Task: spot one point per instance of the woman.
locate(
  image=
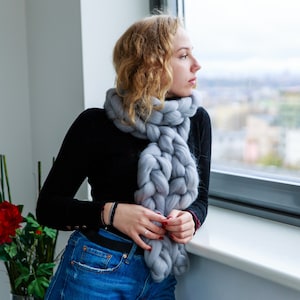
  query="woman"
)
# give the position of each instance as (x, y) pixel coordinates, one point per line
(147, 159)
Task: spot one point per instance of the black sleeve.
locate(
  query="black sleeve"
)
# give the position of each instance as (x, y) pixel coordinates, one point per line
(56, 206)
(200, 146)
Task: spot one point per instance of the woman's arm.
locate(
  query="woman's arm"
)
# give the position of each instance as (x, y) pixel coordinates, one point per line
(56, 206)
(200, 136)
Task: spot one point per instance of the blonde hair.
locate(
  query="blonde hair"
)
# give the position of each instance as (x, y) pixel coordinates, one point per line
(141, 59)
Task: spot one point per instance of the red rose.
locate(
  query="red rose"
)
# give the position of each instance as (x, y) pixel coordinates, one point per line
(10, 219)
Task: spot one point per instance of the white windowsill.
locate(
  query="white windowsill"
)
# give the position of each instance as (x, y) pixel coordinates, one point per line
(259, 246)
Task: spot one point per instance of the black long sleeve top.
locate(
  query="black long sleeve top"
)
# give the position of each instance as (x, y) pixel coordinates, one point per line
(94, 148)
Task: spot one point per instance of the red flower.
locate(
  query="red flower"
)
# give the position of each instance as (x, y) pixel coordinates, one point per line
(10, 219)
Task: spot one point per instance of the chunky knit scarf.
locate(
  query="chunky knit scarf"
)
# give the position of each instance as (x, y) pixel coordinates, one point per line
(167, 174)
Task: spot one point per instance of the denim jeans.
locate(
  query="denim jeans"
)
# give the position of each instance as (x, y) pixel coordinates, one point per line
(89, 271)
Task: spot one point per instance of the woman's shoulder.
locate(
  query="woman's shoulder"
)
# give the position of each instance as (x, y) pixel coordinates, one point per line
(88, 121)
(90, 116)
(201, 115)
(93, 112)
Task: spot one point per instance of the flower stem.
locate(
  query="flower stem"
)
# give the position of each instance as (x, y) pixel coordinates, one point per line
(4, 179)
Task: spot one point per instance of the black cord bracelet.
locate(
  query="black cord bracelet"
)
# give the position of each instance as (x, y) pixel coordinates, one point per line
(112, 214)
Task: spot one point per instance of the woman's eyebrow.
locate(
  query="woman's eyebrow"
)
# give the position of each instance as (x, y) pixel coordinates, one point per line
(184, 48)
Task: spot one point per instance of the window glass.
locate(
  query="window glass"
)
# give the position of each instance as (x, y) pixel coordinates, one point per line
(250, 82)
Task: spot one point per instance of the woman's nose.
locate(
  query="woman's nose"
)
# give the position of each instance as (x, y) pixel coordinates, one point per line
(196, 66)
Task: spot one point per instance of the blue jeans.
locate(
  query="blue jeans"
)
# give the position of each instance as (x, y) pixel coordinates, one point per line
(89, 271)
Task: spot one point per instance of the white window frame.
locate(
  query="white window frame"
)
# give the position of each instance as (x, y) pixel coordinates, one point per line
(174, 7)
(256, 193)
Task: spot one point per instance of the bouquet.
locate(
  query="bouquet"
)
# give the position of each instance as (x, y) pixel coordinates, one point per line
(26, 247)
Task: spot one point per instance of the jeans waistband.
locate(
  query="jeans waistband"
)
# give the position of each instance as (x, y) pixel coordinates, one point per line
(123, 247)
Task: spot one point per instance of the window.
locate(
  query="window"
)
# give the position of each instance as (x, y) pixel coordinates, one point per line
(250, 85)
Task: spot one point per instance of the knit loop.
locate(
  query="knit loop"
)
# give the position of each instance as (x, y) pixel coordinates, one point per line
(167, 175)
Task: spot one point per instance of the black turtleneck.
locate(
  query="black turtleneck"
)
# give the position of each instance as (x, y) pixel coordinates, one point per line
(94, 148)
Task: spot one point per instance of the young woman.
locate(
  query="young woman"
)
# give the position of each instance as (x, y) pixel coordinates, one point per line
(147, 159)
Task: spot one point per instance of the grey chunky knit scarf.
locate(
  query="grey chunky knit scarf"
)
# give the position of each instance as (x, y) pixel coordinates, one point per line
(167, 174)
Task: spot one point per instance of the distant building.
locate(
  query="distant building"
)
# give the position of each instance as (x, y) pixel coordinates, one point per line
(292, 148)
(228, 145)
(262, 138)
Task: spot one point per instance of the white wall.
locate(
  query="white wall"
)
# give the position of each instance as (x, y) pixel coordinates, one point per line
(210, 280)
(15, 130)
(102, 24)
(55, 73)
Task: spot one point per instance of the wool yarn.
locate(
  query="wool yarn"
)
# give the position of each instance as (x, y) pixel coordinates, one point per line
(167, 173)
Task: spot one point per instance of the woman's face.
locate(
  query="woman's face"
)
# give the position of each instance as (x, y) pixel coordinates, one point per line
(184, 66)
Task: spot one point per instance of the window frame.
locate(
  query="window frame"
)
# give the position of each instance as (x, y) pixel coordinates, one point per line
(174, 7)
(248, 191)
(256, 193)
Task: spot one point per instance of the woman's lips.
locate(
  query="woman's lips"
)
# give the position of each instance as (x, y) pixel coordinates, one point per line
(193, 81)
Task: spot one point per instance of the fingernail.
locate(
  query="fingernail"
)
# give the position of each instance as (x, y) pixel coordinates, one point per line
(149, 249)
(161, 238)
(169, 217)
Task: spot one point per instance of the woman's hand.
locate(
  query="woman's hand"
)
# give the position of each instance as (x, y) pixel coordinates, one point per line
(180, 226)
(136, 221)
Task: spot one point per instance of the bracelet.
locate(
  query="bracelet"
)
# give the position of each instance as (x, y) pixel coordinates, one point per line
(112, 213)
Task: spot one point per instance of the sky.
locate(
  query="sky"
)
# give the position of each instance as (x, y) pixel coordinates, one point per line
(245, 36)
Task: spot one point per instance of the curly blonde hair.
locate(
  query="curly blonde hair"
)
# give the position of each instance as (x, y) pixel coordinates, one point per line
(141, 59)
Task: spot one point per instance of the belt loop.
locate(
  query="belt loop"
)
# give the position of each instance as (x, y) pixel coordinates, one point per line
(131, 253)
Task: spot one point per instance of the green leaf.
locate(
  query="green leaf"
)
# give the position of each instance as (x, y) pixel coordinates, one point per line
(24, 276)
(11, 249)
(32, 221)
(3, 254)
(38, 287)
(50, 232)
(45, 269)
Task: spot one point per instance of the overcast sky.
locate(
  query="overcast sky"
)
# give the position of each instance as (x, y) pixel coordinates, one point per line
(245, 35)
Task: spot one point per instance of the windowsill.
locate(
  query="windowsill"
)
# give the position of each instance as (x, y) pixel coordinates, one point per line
(255, 245)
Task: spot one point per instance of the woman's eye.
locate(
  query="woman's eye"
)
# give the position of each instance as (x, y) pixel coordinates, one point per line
(184, 56)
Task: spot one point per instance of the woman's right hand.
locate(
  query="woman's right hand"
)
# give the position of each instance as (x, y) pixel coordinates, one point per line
(135, 221)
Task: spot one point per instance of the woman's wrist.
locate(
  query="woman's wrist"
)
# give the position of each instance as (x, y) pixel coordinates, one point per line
(105, 213)
(108, 213)
(195, 219)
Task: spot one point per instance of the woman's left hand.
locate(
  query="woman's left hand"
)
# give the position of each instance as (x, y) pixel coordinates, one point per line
(180, 226)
